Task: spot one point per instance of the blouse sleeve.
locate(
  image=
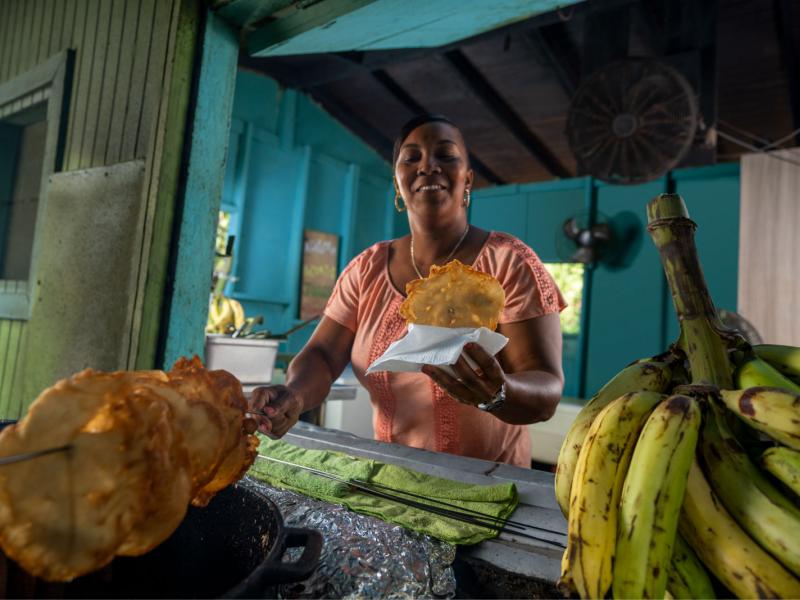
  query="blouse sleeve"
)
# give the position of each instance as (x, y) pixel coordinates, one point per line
(342, 306)
(529, 287)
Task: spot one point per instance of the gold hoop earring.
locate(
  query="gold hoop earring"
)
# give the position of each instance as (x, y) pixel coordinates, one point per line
(467, 197)
(397, 199)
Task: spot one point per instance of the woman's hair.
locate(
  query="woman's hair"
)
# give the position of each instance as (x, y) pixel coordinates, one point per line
(412, 124)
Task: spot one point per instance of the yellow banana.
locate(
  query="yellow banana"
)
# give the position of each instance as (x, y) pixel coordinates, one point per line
(784, 358)
(594, 497)
(759, 373)
(784, 464)
(758, 506)
(732, 555)
(647, 375)
(774, 411)
(687, 577)
(238, 313)
(652, 496)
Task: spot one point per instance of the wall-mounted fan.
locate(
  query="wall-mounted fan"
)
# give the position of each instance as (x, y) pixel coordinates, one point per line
(583, 243)
(632, 121)
(613, 241)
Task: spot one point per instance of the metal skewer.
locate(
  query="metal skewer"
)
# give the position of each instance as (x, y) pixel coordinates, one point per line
(15, 458)
(478, 519)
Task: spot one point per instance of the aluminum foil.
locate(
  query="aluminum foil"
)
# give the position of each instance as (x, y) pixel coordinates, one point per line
(363, 556)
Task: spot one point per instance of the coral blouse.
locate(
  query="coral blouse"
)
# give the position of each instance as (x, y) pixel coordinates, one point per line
(408, 407)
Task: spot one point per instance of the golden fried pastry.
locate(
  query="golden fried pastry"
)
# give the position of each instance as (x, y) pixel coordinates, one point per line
(142, 445)
(64, 514)
(454, 295)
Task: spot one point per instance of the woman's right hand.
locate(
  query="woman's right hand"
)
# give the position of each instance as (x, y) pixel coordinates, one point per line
(280, 407)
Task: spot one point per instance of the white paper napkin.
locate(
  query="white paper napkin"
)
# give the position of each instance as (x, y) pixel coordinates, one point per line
(439, 346)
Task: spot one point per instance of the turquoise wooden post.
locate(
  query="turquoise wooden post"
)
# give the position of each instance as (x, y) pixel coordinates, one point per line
(348, 224)
(207, 146)
(590, 204)
(296, 245)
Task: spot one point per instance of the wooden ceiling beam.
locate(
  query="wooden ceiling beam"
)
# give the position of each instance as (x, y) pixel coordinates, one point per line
(786, 20)
(394, 88)
(552, 43)
(354, 123)
(503, 111)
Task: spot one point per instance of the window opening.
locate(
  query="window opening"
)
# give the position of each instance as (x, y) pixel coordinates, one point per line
(21, 206)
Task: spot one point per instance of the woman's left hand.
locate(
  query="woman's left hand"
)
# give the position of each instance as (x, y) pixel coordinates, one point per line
(470, 386)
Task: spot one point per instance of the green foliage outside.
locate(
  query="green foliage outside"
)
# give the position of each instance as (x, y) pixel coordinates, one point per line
(569, 279)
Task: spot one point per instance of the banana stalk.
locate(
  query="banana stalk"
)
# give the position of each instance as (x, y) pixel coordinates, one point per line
(702, 333)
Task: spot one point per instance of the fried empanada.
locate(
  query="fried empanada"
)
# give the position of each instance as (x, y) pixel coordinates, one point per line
(454, 295)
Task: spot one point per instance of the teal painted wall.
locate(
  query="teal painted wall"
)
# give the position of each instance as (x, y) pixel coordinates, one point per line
(293, 167)
(630, 313)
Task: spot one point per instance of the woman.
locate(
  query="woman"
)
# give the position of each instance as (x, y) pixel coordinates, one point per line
(484, 412)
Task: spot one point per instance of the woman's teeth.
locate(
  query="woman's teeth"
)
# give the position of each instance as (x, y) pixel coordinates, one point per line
(430, 188)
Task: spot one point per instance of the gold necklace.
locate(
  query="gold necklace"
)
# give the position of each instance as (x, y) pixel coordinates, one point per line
(446, 260)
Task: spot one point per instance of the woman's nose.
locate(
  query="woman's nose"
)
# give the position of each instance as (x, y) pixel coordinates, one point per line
(428, 165)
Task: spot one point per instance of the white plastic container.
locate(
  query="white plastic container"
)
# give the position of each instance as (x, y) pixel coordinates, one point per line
(249, 360)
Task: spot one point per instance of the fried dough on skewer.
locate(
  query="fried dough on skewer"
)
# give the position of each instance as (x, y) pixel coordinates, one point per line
(142, 445)
(67, 513)
(454, 295)
(200, 424)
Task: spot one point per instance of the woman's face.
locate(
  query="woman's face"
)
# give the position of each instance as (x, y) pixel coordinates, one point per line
(432, 169)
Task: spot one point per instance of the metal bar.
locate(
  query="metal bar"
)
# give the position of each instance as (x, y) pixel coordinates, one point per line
(492, 523)
(15, 458)
(453, 506)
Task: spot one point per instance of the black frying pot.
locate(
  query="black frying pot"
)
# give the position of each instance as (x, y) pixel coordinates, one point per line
(232, 548)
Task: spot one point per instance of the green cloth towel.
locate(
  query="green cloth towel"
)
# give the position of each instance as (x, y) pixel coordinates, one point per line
(492, 500)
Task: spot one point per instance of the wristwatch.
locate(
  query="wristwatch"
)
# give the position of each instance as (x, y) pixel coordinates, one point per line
(496, 401)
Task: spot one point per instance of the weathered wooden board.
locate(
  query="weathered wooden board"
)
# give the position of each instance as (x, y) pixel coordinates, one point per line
(83, 310)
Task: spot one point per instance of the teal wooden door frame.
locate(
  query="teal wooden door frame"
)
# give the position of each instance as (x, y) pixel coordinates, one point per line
(192, 256)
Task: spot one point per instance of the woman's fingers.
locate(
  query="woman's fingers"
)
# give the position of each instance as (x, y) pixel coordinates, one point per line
(276, 409)
(473, 383)
(487, 363)
(455, 388)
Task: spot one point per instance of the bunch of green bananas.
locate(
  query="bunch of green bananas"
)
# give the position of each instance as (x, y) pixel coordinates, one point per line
(225, 315)
(681, 477)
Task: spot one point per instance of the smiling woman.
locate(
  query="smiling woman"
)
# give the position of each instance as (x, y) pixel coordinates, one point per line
(484, 410)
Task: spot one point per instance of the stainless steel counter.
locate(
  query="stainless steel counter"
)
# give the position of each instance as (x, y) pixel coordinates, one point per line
(513, 554)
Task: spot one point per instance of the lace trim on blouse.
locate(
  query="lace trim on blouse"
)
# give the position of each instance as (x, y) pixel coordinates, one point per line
(391, 326)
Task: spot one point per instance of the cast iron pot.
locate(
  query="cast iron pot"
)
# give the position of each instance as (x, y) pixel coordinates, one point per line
(232, 548)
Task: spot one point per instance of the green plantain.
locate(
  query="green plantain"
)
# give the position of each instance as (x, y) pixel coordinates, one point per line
(757, 505)
(773, 411)
(784, 358)
(649, 375)
(729, 553)
(652, 496)
(784, 464)
(756, 372)
(599, 476)
(687, 577)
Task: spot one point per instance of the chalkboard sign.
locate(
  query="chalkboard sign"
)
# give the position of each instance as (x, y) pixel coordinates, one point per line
(320, 257)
